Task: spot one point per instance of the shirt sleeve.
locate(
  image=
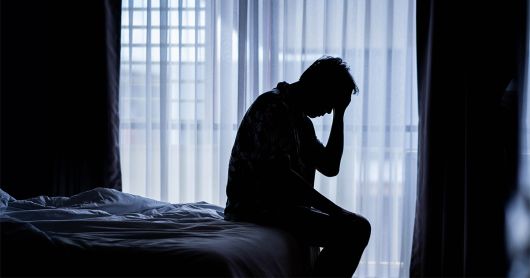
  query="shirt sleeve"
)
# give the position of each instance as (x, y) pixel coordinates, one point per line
(313, 147)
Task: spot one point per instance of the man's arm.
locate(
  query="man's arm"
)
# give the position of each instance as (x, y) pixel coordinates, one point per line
(329, 161)
(298, 190)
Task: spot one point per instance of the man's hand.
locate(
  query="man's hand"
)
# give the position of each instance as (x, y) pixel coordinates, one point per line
(329, 162)
(292, 188)
(341, 104)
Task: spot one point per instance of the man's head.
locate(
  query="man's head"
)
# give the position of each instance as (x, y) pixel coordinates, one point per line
(327, 82)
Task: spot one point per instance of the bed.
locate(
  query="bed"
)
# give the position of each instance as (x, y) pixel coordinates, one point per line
(105, 232)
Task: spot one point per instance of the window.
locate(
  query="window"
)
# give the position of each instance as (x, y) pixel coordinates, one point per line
(190, 70)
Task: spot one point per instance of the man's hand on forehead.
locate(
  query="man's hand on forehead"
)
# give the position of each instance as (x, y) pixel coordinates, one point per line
(341, 102)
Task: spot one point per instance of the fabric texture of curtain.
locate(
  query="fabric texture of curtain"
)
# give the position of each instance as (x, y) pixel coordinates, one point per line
(466, 60)
(60, 85)
(190, 70)
(86, 96)
(518, 209)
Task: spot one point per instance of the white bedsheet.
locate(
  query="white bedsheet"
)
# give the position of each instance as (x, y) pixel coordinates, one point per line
(104, 232)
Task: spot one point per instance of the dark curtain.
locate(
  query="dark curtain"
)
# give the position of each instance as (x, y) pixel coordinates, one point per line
(26, 98)
(88, 46)
(60, 80)
(467, 56)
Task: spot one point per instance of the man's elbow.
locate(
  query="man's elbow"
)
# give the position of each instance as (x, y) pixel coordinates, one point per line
(334, 172)
(329, 171)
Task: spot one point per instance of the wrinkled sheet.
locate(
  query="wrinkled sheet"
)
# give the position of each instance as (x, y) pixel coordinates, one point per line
(104, 232)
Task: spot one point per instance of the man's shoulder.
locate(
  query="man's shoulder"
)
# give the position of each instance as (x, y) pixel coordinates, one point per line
(268, 98)
(267, 102)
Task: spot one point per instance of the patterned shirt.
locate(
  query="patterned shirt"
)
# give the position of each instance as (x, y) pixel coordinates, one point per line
(271, 129)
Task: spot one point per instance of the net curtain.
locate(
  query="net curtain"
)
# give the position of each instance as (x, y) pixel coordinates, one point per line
(191, 68)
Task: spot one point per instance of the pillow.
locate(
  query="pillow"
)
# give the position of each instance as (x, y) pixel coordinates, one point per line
(4, 199)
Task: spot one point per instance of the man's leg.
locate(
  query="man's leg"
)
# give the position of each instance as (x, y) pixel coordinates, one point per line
(342, 253)
(343, 238)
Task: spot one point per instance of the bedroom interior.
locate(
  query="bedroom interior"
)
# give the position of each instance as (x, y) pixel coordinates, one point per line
(61, 131)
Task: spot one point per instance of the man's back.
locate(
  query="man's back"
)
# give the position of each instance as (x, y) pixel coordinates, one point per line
(271, 129)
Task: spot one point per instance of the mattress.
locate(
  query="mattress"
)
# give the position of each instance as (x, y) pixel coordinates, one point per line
(104, 232)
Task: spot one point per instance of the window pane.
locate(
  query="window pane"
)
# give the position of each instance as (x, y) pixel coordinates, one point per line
(124, 35)
(188, 18)
(174, 36)
(188, 54)
(173, 3)
(139, 3)
(202, 18)
(174, 18)
(137, 109)
(188, 36)
(139, 36)
(155, 18)
(125, 17)
(155, 35)
(188, 91)
(138, 53)
(188, 3)
(140, 18)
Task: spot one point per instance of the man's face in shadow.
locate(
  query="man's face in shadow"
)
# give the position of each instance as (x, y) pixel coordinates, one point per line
(318, 106)
(320, 101)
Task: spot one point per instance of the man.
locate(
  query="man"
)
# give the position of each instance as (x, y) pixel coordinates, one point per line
(273, 162)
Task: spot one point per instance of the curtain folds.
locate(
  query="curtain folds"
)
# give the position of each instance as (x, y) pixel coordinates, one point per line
(191, 68)
(466, 60)
(60, 84)
(85, 91)
(518, 209)
(112, 172)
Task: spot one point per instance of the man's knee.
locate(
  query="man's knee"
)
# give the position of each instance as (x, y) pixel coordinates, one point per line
(358, 231)
(365, 230)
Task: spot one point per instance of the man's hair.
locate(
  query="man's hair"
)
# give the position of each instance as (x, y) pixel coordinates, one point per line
(328, 70)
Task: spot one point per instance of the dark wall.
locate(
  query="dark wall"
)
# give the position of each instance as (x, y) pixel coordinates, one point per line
(54, 99)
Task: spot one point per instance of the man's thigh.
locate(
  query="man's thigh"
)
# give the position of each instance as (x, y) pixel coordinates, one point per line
(312, 226)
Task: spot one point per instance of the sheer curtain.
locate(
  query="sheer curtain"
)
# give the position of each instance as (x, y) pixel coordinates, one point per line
(518, 208)
(191, 68)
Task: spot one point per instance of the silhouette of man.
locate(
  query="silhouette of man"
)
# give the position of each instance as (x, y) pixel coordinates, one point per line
(273, 162)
